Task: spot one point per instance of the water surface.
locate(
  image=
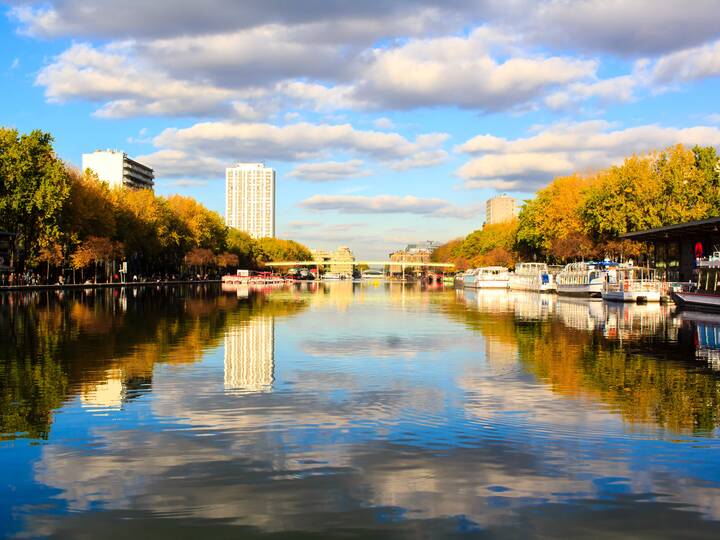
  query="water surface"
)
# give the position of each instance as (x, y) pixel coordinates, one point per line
(355, 410)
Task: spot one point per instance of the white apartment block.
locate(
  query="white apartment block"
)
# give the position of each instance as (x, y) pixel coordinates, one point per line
(501, 209)
(250, 199)
(250, 355)
(118, 170)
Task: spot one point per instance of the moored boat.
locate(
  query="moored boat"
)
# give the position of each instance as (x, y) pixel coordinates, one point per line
(532, 276)
(492, 277)
(632, 284)
(584, 279)
(704, 292)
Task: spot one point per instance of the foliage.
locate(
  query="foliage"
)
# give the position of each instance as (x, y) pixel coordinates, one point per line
(276, 249)
(35, 186)
(63, 215)
(580, 217)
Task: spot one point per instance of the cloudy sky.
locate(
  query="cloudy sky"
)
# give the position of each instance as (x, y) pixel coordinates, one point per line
(388, 122)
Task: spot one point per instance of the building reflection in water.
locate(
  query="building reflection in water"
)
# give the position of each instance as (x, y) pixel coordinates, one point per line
(108, 393)
(250, 355)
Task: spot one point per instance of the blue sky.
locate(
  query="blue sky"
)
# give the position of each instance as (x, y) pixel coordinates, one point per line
(388, 123)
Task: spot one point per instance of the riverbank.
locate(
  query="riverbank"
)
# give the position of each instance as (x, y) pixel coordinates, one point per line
(132, 284)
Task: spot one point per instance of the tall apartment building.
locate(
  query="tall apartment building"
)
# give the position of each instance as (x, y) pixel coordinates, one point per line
(118, 170)
(250, 199)
(501, 209)
(250, 355)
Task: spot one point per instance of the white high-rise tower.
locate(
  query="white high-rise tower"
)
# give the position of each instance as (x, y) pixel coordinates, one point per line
(250, 199)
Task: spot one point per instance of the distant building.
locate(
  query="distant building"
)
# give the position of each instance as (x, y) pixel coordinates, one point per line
(343, 255)
(415, 253)
(118, 170)
(250, 355)
(501, 209)
(250, 199)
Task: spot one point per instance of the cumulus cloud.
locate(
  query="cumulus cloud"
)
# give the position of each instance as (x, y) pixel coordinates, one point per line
(329, 170)
(169, 163)
(383, 123)
(614, 90)
(525, 164)
(294, 142)
(364, 21)
(457, 71)
(636, 28)
(387, 204)
(125, 88)
(686, 65)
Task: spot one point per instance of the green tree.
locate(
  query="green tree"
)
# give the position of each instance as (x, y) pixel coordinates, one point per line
(33, 189)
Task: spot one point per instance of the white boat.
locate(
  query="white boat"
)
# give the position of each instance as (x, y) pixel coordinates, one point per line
(532, 276)
(583, 279)
(704, 292)
(332, 276)
(490, 277)
(469, 278)
(631, 284)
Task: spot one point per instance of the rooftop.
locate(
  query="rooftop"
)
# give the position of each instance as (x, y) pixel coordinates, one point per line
(702, 226)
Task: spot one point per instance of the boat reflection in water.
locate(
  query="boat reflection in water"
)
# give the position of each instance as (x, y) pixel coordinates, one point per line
(705, 330)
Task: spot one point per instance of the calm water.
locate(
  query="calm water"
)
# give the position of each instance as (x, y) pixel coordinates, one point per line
(355, 410)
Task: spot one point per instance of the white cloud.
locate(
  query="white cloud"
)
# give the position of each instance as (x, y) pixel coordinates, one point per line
(329, 171)
(456, 71)
(124, 88)
(294, 142)
(525, 164)
(15, 63)
(638, 27)
(615, 90)
(176, 163)
(387, 204)
(686, 65)
(383, 123)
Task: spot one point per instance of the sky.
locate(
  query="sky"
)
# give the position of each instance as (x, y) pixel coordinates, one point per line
(387, 122)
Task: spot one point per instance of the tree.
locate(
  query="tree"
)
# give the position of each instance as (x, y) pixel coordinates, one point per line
(241, 244)
(227, 260)
(275, 249)
(205, 228)
(553, 214)
(52, 255)
(199, 258)
(34, 188)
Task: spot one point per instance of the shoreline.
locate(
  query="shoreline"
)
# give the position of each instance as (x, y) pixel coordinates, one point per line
(133, 284)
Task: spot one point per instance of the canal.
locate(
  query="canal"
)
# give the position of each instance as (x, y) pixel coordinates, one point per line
(355, 410)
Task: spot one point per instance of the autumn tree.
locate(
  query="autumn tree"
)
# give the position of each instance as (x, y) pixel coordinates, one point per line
(553, 214)
(276, 249)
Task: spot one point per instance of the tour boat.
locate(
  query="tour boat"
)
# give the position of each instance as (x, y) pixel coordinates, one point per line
(332, 276)
(704, 292)
(488, 277)
(583, 279)
(532, 276)
(632, 284)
